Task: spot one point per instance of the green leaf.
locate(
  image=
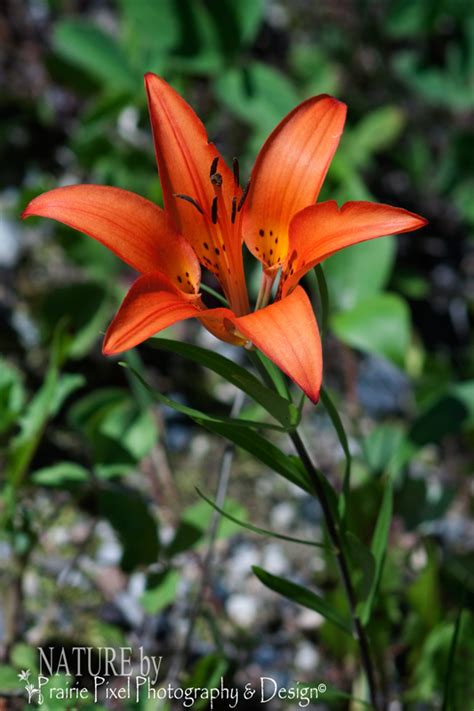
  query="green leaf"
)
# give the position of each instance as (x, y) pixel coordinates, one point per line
(378, 548)
(363, 563)
(278, 406)
(323, 297)
(332, 694)
(381, 446)
(341, 433)
(129, 514)
(375, 132)
(151, 30)
(9, 680)
(44, 405)
(303, 597)
(163, 592)
(119, 430)
(450, 665)
(87, 46)
(264, 451)
(257, 529)
(257, 94)
(272, 375)
(60, 474)
(206, 674)
(86, 304)
(359, 272)
(202, 418)
(379, 325)
(464, 392)
(445, 415)
(23, 656)
(12, 395)
(195, 524)
(241, 433)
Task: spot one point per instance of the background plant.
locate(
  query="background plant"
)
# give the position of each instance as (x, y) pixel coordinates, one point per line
(99, 478)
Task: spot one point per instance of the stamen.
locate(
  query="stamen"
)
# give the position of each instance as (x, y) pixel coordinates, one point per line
(216, 179)
(244, 195)
(191, 200)
(214, 210)
(236, 169)
(214, 166)
(234, 209)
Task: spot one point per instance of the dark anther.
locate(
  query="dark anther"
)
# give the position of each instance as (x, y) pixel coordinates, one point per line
(216, 179)
(214, 211)
(244, 195)
(236, 169)
(234, 209)
(191, 200)
(214, 166)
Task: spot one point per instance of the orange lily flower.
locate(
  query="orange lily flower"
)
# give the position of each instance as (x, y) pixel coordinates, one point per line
(206, 218)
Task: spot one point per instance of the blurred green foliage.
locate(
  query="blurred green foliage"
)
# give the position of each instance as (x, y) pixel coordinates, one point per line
(77, 433)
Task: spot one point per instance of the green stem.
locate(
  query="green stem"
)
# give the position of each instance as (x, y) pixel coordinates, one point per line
(265, 292)
(323, 297)
(215, 294)
(336, 540)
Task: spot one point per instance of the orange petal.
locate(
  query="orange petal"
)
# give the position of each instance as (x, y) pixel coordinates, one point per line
(133, 228)
(320, 230)
(220, 322)
(288, 174)
(288, 334)
(185, 155)
(152, 303)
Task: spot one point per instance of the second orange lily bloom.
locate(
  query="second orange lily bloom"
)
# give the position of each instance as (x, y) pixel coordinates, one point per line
(205, 220)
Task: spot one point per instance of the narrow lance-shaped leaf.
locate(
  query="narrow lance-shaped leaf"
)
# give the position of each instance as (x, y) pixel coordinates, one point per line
(279, 407)
(450, 665)
(44, 405)
(201, 418)
(341, 433)
(257, 529)
(241, 433)
(303, 597)
(378, 548)
(323, 296)
(264, 451)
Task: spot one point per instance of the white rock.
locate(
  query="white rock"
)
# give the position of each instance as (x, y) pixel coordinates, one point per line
(242, 609)
(282, 516)
(274, 560)
(306, 658)
(309, 620)
(240, 565)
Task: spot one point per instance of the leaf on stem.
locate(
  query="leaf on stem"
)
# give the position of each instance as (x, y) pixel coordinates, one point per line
(257, 529)
(341, 433)
(274, 403)
(302, 596)
(378, 548)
